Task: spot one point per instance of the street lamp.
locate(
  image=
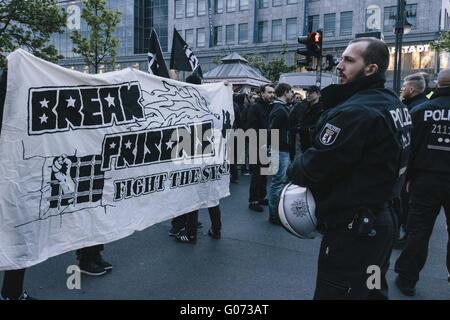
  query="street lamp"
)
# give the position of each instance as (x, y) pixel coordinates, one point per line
(402, 26)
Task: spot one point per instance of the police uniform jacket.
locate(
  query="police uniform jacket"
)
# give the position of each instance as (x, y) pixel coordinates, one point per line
(359, 151)
(430, 151)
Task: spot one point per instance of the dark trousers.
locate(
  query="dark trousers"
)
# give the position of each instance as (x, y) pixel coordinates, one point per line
(345, 257)
(190, 221)
(429, 192)
(13, 284)
(258, 184)
(89, 253)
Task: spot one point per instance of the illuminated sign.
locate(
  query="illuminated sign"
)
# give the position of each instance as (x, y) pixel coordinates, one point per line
(413, 48)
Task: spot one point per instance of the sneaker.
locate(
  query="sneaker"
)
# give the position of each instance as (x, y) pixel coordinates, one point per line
(183, 237)
(274, 220)
(26, 296)
(102, 263)
(175, 231)
(404, 288)
(214, 235)
(255, 206)
(90, 268)
(264, 202)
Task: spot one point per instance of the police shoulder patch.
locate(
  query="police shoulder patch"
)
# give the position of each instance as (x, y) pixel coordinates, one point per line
(329, 134)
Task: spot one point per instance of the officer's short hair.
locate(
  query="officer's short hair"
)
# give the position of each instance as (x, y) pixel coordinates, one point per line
(281, 88)
(377, 52)
(417, 81)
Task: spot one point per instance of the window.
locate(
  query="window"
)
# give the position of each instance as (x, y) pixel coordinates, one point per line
(346, 23)
(276, 30)
(190, 8)
(291, 1)
(263, 31)
(218, 6)
(231, 5)
(313, 23)
(329, 24)
(390, 15)
(189, 37)
(263, 4)
(179, 9)
(243, 33)
(218, 39)
(201, 7)
(411, 14)
(201, 37)
(291, 29)
(243, 5)
(277, 3)
(229, 37)
(389, 18)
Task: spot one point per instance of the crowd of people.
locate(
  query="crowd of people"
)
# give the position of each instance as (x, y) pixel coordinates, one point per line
(377, 165)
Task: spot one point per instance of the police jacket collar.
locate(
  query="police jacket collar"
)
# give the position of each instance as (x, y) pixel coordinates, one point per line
(439, 92)
(337, 93)
(420, 96)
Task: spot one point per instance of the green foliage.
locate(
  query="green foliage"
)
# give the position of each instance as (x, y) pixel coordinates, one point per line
(100, 47)
(443, 42)
(29, 24)
(273, 68)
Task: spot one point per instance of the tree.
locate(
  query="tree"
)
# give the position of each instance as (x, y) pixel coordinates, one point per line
(443, 42)
(29, 25)
(100, 47)
(273, 68)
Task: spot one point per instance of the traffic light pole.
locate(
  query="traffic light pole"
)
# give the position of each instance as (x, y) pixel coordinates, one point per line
(319, 72)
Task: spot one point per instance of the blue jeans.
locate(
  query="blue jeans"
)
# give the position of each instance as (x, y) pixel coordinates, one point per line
(278, 181)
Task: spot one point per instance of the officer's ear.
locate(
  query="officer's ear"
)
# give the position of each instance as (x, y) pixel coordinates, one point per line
(371, 69)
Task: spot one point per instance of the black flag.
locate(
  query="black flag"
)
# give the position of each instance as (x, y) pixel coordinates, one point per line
(182, 57)
(156, 63)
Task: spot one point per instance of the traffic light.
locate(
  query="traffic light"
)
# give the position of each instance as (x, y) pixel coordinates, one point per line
(313, 48)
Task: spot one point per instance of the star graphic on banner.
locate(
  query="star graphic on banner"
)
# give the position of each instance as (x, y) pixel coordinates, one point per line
(170, 144)
(44, 103)
(110, 100)
(128, 145)
(70, 102)
(43, 118)
(112, 145)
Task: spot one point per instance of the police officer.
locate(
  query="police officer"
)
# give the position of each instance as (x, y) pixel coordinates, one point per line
(352, 168)
(428, 180)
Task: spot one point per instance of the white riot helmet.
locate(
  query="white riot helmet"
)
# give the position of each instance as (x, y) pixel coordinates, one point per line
(297, 211)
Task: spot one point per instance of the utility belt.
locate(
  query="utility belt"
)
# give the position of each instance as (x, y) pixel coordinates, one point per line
(360, 222)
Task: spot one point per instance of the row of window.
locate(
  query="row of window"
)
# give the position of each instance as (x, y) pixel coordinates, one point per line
(188, 7)
(329, 21)
(291, 33)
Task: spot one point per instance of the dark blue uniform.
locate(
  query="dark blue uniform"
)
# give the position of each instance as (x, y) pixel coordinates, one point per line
(359, 152)
(429, 175)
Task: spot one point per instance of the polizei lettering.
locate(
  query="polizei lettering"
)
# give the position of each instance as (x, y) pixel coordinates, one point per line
(436, 115)
(59, 109)
(132, 149)
(401, 117)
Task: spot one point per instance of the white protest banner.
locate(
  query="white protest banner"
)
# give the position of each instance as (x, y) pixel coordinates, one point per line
(89, 159)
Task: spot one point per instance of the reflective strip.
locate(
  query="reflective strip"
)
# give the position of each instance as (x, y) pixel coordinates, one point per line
(438, 148)
(401, 171)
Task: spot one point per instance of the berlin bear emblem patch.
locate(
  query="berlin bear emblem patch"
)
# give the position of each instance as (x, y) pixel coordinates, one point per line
(329, 134)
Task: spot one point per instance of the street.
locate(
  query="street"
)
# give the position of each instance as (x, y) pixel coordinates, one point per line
(252, 260)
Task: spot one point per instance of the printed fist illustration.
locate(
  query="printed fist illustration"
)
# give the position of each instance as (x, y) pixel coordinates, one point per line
(61, 168)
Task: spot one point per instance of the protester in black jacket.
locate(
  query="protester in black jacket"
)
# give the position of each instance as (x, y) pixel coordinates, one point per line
(428, 179)
(352, 169)
(258, 119)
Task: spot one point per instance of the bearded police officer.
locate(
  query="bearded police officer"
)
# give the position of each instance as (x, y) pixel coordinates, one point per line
(359, 151)
(428, 180)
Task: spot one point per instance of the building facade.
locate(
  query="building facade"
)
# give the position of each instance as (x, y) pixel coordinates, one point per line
(215, 28)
